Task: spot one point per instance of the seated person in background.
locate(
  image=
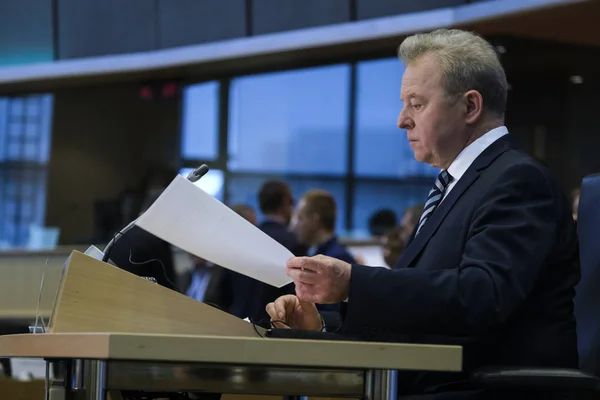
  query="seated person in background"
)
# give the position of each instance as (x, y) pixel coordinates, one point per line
(251, 296)
(392, 245)
(246, 212)
(314, 223)
(382, 221)
(215, 285)
(206, 283)
(410, 219)
(144, 254)
(494, 261)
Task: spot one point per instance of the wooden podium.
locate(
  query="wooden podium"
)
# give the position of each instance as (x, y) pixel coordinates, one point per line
(112, 331)
(94, 296)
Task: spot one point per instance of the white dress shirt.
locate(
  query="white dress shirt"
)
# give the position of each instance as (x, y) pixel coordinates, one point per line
(466, 157)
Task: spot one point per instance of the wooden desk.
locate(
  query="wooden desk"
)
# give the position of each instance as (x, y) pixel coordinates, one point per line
(100, 362)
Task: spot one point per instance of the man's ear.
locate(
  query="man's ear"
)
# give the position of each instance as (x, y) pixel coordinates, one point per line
(474, 106)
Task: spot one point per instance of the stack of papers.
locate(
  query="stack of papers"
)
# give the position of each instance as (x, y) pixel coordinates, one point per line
(191, 219)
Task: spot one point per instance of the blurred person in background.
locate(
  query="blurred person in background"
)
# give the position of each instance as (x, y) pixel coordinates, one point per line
(246, 212)
(382, 221)
(144, 254)
(393, 243)
(314, 223)
(411, 217)
(215, 285)
(277, 206)
(251, 296)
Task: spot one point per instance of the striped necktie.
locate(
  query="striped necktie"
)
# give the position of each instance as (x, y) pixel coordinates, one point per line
(435, 197)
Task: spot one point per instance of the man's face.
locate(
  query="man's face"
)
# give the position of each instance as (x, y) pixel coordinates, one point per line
(305, 223)
(433, 122)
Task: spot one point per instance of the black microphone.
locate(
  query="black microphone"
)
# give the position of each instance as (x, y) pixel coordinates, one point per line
(193, 176)
(198, 173)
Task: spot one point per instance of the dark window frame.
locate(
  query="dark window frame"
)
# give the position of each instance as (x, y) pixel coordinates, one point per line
(351, 179)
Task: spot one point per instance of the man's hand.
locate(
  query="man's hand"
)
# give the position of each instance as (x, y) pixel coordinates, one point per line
(294, 313)
(320, 279)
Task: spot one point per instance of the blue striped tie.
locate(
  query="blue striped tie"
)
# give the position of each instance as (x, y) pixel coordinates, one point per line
(435, 197)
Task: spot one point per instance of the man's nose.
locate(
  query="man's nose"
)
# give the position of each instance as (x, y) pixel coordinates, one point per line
(404, 121)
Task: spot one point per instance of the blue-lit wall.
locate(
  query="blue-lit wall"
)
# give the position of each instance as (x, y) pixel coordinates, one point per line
(42, 30)
(26, 31)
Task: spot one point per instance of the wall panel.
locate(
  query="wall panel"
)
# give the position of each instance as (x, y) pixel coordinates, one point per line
(25, 31)
(94, 28)
(281, 15)
(186, 22)
(380, 8)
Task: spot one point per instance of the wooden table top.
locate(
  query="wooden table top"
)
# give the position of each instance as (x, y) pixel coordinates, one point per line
(234, 350)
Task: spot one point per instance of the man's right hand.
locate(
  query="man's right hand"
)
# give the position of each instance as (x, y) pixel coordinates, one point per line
(294, 313)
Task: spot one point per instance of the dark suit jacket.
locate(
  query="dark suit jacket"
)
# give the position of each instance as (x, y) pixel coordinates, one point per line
(333, 248)
(250, 296)
(493, 269)
(145, 247)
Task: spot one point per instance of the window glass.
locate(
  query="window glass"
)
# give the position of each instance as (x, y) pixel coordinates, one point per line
(25, 132)
(211, 183)
(200, 125)
(290, 122)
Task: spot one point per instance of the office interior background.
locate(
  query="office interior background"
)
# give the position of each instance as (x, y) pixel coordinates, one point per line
(103, 102)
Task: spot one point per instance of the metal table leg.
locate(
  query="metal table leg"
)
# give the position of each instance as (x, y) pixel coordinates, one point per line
(95, 380)
(380, 385)
(55, 387)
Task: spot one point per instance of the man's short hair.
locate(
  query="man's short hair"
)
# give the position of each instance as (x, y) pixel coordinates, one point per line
(468, 62)
(244, 210)
(382, 221)
(273, 195)
(322, 203)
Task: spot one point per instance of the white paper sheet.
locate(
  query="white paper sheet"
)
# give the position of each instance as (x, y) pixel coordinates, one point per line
(191, 219)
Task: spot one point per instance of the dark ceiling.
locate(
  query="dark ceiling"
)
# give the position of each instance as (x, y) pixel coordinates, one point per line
(559, 40)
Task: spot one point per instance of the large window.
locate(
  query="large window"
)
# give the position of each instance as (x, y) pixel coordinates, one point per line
(297, 125)
(211, 183)
(290, 122)
(293, 126)
(200, 125)
(24, 153)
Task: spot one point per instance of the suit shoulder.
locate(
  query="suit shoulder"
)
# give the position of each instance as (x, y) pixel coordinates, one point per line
(517, 165)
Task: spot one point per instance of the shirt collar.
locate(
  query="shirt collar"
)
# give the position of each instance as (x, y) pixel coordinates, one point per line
(466, 157)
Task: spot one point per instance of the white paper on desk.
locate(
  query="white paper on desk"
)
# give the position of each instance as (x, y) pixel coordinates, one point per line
(191, 219)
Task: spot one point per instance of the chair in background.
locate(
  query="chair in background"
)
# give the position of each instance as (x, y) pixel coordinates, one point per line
(582, 383)
(587, 300)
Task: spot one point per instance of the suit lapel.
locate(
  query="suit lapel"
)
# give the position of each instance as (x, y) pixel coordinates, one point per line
(419, 241)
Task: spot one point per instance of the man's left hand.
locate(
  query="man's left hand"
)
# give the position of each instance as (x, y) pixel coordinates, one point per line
(320, 279)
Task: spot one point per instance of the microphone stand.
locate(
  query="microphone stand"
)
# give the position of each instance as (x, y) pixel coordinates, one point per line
(193, 176)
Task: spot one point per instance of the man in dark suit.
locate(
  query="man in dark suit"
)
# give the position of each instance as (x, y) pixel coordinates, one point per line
(251, 296)
(493, 261)
(314, 224)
